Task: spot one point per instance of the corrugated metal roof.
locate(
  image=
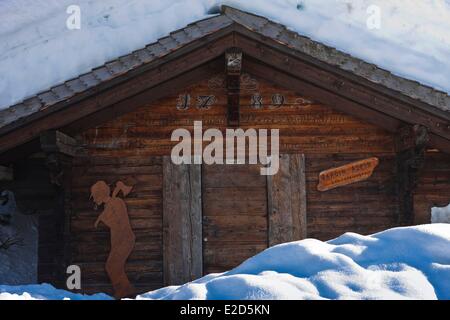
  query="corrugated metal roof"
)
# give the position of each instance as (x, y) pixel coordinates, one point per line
(199, 29)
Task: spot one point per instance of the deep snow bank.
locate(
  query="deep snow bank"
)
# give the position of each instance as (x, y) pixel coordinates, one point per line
(413, 40)
(400, 263)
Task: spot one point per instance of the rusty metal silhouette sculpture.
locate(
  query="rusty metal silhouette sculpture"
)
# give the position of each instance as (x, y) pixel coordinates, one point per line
(115, 217)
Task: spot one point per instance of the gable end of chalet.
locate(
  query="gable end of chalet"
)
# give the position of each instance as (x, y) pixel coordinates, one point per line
(270, 51)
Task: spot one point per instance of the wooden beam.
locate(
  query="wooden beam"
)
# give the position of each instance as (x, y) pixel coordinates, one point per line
(6, 174)
(20, 152)
(286, 193)
(57, 142)
(182, 223)
(59, 150)
(233, 59)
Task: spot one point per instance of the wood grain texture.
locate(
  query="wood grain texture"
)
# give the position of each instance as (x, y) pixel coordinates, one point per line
(144, 203)
(234, 215)
(235, 199)
(364, 207)
(182, 223)
(286, 193)
(433, 186)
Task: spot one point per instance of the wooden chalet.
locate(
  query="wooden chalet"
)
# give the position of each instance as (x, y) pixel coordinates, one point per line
(115, 123)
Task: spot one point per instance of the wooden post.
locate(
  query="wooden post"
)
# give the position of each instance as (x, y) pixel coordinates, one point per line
(411, 143)
(182, 223)
(233, 71)
(287, 200)
(59, 150)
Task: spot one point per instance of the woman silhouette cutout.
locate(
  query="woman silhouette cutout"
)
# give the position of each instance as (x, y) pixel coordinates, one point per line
(115, 217)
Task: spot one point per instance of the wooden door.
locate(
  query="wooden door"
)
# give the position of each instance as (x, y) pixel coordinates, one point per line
(217, 216)
(235, 224)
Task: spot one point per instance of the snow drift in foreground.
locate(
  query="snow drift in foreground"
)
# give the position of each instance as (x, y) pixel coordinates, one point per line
(413, 40)
(400, 263)
(44, 292)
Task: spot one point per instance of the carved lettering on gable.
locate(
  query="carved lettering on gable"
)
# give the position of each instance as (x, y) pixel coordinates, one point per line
(205, 102)
(248, 84)
(184, 101)
(256, 101)
(278, 101)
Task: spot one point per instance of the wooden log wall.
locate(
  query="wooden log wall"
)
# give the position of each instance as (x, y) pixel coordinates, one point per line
(364, 207)
(130, 148)
(433, 188)
(90, 247)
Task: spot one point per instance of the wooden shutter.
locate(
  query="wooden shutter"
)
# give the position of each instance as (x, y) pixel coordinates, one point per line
(287, 200)
(182, 223)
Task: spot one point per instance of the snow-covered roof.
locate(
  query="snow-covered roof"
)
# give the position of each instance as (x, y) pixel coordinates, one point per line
(112, 69)
(86, 83)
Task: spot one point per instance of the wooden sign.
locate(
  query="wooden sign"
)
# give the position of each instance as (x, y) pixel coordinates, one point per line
(348, 174)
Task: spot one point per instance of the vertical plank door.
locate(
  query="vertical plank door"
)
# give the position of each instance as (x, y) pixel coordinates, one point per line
(182, 223)
(286, 194)
(234, 215)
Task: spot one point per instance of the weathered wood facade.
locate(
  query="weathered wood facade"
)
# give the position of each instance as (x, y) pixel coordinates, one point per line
(191, 220)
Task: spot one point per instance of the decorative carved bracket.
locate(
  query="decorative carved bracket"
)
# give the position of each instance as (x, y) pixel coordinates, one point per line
(411, 145)
(233, 58)
(58, 147)
(58, 142)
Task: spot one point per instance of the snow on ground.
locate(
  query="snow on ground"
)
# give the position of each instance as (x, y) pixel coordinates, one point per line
(44, 292)
(400, 263)
(440, 215)
(37, 50)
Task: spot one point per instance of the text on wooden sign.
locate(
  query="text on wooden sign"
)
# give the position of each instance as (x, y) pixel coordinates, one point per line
(345, 175)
